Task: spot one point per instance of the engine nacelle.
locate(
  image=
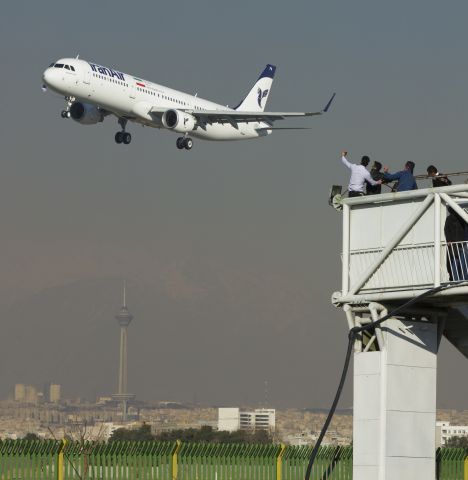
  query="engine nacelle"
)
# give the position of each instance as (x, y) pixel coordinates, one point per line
(179, 121)
(85, 113)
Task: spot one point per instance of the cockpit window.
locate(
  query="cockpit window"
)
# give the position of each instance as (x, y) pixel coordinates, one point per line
(58, 65)
(67, 67)
(72, 68)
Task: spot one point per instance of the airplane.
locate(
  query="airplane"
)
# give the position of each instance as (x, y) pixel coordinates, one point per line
(93, 92)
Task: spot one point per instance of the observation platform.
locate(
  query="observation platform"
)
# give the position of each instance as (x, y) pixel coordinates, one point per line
(395, 248)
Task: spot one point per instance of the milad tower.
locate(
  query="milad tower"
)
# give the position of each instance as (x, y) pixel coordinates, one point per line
(123, 318)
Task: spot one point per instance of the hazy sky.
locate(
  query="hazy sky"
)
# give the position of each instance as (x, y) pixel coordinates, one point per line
(230, 251)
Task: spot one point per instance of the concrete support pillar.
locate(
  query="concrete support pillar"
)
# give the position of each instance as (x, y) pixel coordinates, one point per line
(395, 404)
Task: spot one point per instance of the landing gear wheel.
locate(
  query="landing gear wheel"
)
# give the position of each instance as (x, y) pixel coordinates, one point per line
(127, 138)
(63, 114)
(188, 143)
(119, 137)
(180, 143)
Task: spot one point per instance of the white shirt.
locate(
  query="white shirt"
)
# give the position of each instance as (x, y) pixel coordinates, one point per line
(359, 176)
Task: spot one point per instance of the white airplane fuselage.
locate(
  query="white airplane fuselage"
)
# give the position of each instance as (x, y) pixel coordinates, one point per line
(135, 99)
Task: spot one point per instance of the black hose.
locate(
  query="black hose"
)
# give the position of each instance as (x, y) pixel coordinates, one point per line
(351, 337)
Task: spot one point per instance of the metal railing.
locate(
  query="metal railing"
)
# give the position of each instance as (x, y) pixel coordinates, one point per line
(411, 266)
(457, 261)
(148, 460)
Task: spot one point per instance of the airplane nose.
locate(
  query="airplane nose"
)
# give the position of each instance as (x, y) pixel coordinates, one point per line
(47, 76)
(51, 78)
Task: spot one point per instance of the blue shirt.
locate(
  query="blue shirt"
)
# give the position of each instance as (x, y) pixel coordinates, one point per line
(405, 179)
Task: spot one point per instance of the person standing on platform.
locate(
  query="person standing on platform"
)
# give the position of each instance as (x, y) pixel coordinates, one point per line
(406, 180)
(456, 230)
(376, 174)
(359, 176)
(438, 180)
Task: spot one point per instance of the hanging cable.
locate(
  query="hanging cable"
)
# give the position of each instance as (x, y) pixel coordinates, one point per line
(351, 338)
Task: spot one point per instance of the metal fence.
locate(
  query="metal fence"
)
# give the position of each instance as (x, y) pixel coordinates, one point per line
(457, 261)
(411, 265)
(55, 460)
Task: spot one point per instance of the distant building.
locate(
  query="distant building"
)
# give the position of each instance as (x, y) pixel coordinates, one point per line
(228, 419)
(55, 393)
(232, 419)
(31, 395)
(445, 431)
(20, 392)
(28, 394)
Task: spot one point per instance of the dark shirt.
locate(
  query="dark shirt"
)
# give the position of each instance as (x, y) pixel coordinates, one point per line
(374, 189)
(405, 179)
(440, 181)
(455, 228)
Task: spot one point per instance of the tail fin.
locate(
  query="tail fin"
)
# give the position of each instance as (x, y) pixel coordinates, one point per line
(256, 99)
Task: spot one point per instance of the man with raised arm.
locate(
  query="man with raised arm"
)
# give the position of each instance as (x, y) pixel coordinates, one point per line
(359, 176)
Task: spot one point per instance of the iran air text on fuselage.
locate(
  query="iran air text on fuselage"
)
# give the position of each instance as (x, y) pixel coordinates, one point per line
(93, 92)
(107, 71)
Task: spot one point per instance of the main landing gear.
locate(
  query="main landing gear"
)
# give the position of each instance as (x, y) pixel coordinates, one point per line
(66, 113)
(184, 142)
(123, 136)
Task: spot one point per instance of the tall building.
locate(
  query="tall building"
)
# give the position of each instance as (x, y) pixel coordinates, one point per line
(31, 394)
(27, 394)
(232, 419)
(20, 392)
(123, 318)
(55, 393)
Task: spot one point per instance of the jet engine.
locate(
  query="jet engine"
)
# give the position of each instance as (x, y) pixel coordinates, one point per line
(179, 121)
(85, 113)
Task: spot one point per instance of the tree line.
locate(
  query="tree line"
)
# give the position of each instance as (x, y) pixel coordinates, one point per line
(203, 434)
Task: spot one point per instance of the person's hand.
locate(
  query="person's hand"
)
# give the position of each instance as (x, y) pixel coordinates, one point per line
(344, 153)
(379, 182)
(385, 169)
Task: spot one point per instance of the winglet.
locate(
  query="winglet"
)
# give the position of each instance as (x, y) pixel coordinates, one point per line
(327, 106)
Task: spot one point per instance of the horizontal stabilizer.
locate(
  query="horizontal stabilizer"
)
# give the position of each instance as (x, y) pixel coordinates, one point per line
(282, 128)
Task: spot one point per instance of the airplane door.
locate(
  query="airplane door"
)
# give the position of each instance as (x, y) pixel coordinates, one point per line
(87, 82)
(87, 77)
(132, 91)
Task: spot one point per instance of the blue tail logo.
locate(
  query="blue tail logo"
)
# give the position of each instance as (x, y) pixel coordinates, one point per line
(261, 96)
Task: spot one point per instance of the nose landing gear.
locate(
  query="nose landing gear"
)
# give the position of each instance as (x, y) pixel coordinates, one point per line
(123, 136)
(66, 113)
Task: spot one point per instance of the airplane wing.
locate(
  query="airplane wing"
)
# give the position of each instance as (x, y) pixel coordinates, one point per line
(235, 117)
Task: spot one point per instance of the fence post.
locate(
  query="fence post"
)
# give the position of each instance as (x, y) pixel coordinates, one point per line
(279, 462)
(175, 459)
(465, 473)
(60, 462)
